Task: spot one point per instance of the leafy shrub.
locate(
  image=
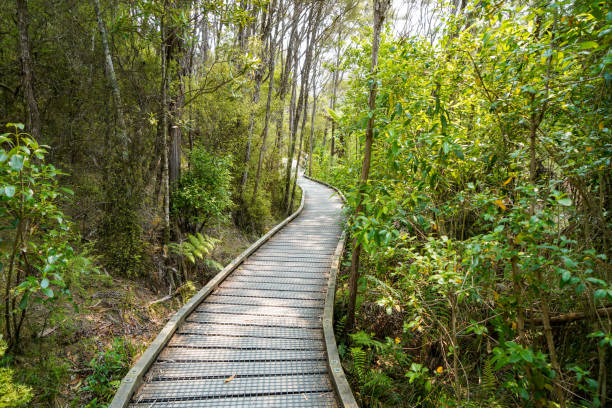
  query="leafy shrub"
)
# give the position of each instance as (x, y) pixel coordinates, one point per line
(254, 215)
(36, 234)
(203, 192)
(109, 367)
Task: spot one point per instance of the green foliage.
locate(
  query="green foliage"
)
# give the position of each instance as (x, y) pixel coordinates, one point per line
(47, 375)
(121, 241)
(12, 395)
(203, 192)
(196, 246)
(37, 261)
(254, 215)
(109, 367)
(489, 380)
(534, 371)
(488, 201)
(359, 362)
(363, 339)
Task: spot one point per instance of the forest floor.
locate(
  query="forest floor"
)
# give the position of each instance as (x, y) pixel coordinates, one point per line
(79, 358)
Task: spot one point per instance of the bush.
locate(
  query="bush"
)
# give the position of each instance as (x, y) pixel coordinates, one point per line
(203, 192)
(37, 263)
(109, 367)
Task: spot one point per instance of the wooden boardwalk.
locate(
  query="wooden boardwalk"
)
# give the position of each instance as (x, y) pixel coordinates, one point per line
(257, 339)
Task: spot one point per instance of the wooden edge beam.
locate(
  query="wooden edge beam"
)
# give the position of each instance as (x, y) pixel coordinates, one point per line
(341, 384)
(134, 378)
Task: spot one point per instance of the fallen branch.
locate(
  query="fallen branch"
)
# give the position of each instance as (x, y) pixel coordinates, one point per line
(569, 317)
(160, 300)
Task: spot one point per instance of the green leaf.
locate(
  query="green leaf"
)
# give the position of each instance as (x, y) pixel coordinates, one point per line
(17, 125)
(600, 294)
(566, 275)
(16, 162)
(596, 281)
(566, 202)
(588, 44)
(23, 303)
(9, 191)
(48, 292)
(44, 283)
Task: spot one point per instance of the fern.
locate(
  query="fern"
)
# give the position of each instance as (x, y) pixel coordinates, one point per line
(488, 378)
(196, 246)
(340, 324)
(359, 362)
(379, 386)
(363, 339)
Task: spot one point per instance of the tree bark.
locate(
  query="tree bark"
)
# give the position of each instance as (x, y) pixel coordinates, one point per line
(259, 74)
(33, 116)
(312, 121)
(264, 136)
(164, 116)
(300, 104)
(332, 102)
(380, 9)
(112, 80)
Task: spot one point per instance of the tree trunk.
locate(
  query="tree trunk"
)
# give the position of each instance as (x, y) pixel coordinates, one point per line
(300, 104)
(112, 79)
(176, 102)
(332, 102)
(285, 72)
(380, 8)
(264, 136)
(313, 25)
(164, 110)
(299, 153)
(312, 116)
(259, 73)
(33, 116)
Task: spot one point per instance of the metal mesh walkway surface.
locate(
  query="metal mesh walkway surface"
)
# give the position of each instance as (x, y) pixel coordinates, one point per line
(257, 340)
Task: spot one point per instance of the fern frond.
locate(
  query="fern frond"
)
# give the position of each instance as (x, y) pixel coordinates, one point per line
(361, 338)
(359, 362)
(488, 378)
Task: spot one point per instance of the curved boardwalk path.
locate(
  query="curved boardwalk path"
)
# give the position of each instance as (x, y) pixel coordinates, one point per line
(257, 340)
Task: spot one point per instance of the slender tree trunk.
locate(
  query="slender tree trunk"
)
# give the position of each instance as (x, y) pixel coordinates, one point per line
(165, 179)
(311, 43)
(264, 136)
(299, 153)
(285, 72)
(259, 73)
(292, 136)
(301, 100)
(332, 101)
(312, 116)
(112, 79)
(204, 33)
(175, 49)
(380, 9)
(33, 115)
